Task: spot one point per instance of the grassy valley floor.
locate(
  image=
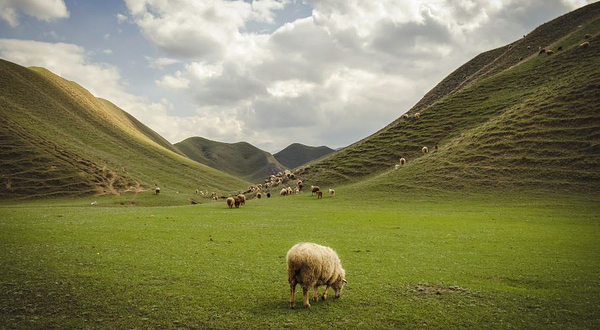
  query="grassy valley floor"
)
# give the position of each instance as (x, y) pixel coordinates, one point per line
(428, 261)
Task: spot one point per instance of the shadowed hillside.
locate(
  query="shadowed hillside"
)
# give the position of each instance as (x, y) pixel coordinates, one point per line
(239, 159)
(297, 154)
(498, 121)
(57, 139)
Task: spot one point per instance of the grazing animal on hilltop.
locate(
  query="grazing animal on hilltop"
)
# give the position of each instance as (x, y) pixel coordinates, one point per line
(405, 116)
(402, 161)
(319, 194)
(268, 195)
(584, 45)
(230, 202)
(331, 192)
(259, 195)
(417, 115)
(312, 265)
(157, 191)
(425, 150)
(587, 36)
(242, 199)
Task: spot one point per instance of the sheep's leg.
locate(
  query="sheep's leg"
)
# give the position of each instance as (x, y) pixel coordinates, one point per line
(316, 293)
(305, 296)
(292, 291)
(325, 293)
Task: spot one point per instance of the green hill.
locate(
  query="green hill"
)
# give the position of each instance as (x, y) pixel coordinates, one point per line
(499, 121)
(239, 159)
(57, 139)
(297, 154)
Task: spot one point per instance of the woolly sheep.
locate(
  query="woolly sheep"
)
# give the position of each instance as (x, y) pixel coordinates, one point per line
(331, 192)
(259, 195)
(314, 189)
(312, 265)
(587, 36)
(435, 147)
(94, 203)
(297, 190)
(237, 201)
(425, 150)
(242, 199)
(157, 191)
(396, 167)
(268, 195)
(549, 52)
(230, 202)
(319, 194)
(405, 116)
(559, 48)
(417, 115)
(584, 45)
(542, 51)
(283, 192)
(402, 161)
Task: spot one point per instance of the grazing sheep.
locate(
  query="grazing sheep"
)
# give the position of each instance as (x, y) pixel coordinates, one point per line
(402, 161)
(417, 115)
(94, 203)
(528, 47)
(405, 116)
(242, 199)
(237, 201)
(396, 167)
(157, 191)
(425, 150)
(587, 36)
(230, 202)
(559, 48)
(259, 195)
(297, 190)
(314, 189)
(331, 192)
(312, 265)
(268, 195)
(520, 59)
(319, 194)
(196, 191)
(549, 52)
(283, 192)
(542, 51)
(289, 190)
(584, 45)
(435, 147)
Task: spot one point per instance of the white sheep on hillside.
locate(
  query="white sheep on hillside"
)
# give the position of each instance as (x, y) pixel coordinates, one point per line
(425, 150)
(417, 115)
(396, 167)
(402, 161)
(312, 265)
(331, 192)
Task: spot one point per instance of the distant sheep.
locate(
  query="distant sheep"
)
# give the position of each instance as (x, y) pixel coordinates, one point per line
(542, 51)
(283, 192)
(319, 194)
(417, 115)
(528, 47)
(402, 161)
(237, 201)
(520, 59)
(559, 48)
(312, 265)
(314, 189)
(268, 195)
(549, 52)
(584, 45)
(157, 191)
(259, 195)
(230, 202)
(425, 150)
(242, 199)
(331, 192)
(297, 190)
(405, 116)
(587, 36)
(435, 147)
(94, 203)
(396, 167)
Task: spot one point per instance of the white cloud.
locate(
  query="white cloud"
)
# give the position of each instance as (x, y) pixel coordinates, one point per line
(45, 10)
(107, 51)
(173, 81)
(160, 62)
(122, 18)
(106, 36)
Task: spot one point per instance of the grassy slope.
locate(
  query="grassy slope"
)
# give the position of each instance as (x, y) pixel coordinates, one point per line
(297, 154)
(58, 139)
(239, 159)
(439, 262)
(535, 124)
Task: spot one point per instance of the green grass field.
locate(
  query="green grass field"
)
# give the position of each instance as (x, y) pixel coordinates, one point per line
(442, 261)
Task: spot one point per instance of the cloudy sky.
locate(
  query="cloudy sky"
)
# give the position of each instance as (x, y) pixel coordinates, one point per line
(269, 72)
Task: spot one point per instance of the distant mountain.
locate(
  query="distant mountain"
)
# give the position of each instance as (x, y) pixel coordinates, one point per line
(239, 159)
(57, 139)
(510, 117)
(297, 154)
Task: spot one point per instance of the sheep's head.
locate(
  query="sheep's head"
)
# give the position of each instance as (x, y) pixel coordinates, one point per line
(339, 283)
